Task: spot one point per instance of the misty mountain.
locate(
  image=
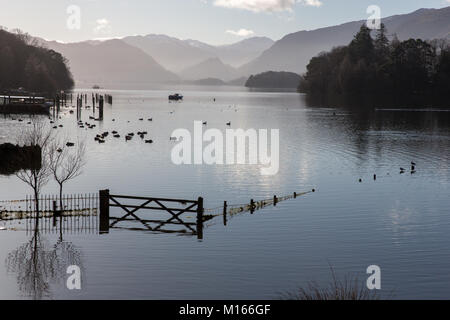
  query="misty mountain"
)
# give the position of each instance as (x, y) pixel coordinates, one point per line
(294, 51)
(210, 68)
(111, 62)
(176, 55)
(244, 51)
(172, 53)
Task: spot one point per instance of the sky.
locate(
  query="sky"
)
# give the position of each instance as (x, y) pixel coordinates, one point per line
(211, 21)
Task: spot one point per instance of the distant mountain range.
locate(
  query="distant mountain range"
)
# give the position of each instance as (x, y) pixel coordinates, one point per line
(176, 55)
(160, 58)
(210, 68)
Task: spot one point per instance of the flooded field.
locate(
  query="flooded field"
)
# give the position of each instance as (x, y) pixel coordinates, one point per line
(399, 221)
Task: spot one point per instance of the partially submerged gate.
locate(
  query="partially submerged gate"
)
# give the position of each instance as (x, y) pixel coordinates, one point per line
(131, 205)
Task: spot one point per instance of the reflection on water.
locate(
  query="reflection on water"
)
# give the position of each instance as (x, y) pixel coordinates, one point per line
(398, 221)
(37, 264)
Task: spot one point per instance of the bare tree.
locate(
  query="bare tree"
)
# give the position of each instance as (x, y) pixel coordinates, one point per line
(26, 37)
(66, 163)
(37, 134)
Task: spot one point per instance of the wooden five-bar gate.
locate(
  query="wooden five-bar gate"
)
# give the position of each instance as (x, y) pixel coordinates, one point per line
(176, 208)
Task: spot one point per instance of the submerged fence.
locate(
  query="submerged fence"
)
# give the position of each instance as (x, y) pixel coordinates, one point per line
(230, 210)
(17, 209)
(90, 213)
(68, 214)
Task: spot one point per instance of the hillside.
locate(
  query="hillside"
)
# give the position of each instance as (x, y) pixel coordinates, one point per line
(294, 51)
(36, 69)
(110, 63)
(274, 80)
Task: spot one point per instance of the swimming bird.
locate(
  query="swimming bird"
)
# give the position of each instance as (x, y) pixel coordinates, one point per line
(205, 123)
(229, 124)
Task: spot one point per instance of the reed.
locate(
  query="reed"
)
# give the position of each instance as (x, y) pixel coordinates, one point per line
(348, 288)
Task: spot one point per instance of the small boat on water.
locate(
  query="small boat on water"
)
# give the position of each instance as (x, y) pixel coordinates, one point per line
(175, 97)
(24, 105)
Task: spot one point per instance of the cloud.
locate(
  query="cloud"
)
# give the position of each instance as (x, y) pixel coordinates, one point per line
(241, 32)
(265, 5)
(103, 26)
(314, 3)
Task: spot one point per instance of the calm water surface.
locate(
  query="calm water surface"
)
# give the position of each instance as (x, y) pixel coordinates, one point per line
(400, 222)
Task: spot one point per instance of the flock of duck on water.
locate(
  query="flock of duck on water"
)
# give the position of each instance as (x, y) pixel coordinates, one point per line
(402, 170)
(101, 137)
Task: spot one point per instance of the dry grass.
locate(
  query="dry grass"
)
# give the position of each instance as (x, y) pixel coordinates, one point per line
(349, 288)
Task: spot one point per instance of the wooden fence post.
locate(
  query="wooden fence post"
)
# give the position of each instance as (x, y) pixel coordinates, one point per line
(225, 213)
(200, 219)
(104, 211)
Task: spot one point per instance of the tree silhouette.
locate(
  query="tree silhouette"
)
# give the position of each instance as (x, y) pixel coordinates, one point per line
(383, 72)
(24, 63)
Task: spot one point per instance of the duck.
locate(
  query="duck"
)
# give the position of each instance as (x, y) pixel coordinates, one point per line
(205, 123)
(70, 144)
(228, 123)
(148, 141)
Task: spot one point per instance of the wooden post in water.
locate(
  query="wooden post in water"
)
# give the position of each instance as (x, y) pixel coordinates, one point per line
(225, 213)
(200, 218)
(54, 214)
(101, 103)
(275, 200)
(58, 105)
(104, 211)
(252, 206)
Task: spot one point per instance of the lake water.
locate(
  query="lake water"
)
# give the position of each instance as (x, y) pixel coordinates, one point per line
(399, 222)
